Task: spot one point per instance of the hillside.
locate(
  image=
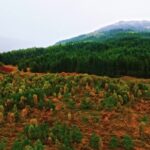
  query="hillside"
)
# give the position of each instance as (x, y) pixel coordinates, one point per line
(73, 112)
(124, 54)
(111, 31)
(63, 97)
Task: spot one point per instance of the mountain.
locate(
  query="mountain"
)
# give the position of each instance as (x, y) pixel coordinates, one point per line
(121, 28)
(121, 56)
(122, 49)
(137, 26)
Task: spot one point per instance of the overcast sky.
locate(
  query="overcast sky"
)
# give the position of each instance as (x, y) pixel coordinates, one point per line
(28, 23)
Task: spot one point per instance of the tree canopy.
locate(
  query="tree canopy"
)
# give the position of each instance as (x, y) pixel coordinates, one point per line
(126, 55)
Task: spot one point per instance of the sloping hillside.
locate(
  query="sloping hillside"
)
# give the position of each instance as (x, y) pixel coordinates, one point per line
(73, 112)
(124, 54)
(111, 31)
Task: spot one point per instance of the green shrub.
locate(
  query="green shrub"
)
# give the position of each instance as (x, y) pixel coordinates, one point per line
(86, 104)
(112, 87)
(3, 144)
(25, 142)
(34, 132)
(15, 110)
(109, 102)
(96, 119)
(114, 143)
(65, 147)
(95, 141)
(127, 142)
(66, 95)
(38, 145)
(142, 86)
(1, 64)
(85, 119)
(125, 98)
(17, 145)
(41, 104)
(76, 134)
(147, 94)
(71, 104)
(28, 147)
(144, 119)
(2, 108)
(50, 105)
(66, 135)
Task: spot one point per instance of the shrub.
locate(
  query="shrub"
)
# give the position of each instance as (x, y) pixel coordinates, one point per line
(41, 104)
(1, 117)
(35, 132)
(16, 113)
(114, 143)
(95, 141)
(109, 103)
(17, 145)
(65, 147)
(38, 145)
(66, 95)
(86, 104)
(125, 98)
(76, 134)
(96, 119)
(142, 86)
(66, 135)
(1, 64)
(25, 141)
(144, 119)
(85, 119)
(139, 93)
(17, 116)
(127, 142)
(146, 95)
(50, 105)
(71, 104)
(28, 147)
(3, 144)
(2, 108)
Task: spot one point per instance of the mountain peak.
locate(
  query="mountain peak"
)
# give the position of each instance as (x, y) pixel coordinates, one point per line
(111, 30)
(128, 25)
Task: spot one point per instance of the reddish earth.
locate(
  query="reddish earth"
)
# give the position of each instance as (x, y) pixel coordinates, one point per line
(7, 68)
(118, 122)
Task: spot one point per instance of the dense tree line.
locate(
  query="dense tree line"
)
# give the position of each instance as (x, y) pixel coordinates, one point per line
(127, 55)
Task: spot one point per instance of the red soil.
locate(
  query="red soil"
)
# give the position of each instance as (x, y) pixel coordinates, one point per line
(7, 69)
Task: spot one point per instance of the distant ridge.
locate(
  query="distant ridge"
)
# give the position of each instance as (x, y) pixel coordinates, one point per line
(110, 31)
(121, 49)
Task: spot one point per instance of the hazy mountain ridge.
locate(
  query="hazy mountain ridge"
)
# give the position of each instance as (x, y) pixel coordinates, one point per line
(115, 52)
(111, 31)
(125, 25)
(7, 44)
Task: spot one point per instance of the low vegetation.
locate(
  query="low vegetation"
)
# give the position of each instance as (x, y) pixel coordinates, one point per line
(73, 112)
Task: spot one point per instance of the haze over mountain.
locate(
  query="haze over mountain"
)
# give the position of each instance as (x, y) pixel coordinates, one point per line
(112, 30)
(115, 50)
(7, 44)
(120, 29)
(107, 32)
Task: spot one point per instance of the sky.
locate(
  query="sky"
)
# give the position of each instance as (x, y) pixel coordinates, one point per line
(40, 23)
